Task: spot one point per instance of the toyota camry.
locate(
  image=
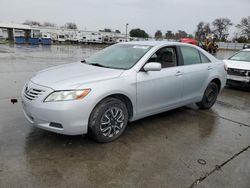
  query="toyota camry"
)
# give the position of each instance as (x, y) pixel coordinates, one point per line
(120, 84)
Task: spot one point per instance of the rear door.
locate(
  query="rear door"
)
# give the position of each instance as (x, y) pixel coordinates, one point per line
(196, 68)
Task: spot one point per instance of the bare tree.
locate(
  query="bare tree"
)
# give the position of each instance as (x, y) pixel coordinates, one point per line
(180, 34)
(107, 30)
(221, 26)
(203, 29)
(49, 24)
(244, 27)
(158, 34)
(31, 22)
(199, 33)
(207, 29)
(70, 25)
(169, 35)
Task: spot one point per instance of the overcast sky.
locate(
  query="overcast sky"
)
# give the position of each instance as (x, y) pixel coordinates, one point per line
(149, 15)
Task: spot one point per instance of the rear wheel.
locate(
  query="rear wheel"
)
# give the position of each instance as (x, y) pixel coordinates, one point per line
(209, 97)
(108, 120)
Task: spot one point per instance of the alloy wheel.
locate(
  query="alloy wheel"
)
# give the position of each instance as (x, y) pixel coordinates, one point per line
(211, 94)
(112, 122)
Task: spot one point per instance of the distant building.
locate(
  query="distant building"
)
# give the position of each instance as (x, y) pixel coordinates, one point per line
(12, 31)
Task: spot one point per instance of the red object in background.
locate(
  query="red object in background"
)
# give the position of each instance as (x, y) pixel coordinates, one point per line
(190, 41)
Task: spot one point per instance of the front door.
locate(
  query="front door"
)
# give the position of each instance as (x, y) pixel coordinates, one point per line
(157, 90)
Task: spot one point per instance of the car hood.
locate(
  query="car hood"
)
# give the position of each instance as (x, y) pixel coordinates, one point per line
(73, 75)
(238, 64)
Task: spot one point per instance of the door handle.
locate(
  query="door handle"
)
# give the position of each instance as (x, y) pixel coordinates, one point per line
(178, 73)
(209, 68)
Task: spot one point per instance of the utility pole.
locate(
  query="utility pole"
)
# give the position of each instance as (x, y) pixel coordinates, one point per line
(127, 32)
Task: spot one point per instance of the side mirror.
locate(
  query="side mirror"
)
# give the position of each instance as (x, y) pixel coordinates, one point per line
(153, 66)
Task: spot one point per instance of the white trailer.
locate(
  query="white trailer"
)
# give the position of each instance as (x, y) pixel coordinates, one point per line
(84, 38)
(61, 37)
(96, 38)
(2, 39)
(71, 36)
(120, 40)
(45, 35)
(1, 33)
(90, 37)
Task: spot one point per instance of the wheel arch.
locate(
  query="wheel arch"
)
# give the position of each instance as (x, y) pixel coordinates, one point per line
(126, 101)
(124, 98)
(217, 82)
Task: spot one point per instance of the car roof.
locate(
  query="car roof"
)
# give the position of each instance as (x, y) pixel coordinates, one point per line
(155, 43)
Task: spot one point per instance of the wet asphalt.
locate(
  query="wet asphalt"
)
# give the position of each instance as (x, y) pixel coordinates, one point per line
(185, 147)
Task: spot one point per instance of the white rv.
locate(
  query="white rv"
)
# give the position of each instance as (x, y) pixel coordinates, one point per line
(46, 35)
(1, 33)
(2, 39)
(120, 40)
(61, 37)
(96, 38)
(71, 36)
(83, 37)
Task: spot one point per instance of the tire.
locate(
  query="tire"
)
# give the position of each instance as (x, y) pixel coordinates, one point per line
(209, 96)
(108, 120)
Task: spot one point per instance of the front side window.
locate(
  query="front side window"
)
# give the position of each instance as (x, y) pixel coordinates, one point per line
(165, 56)
(119, 56)
(190, 55)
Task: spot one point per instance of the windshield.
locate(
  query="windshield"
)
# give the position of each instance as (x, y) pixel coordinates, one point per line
(241, 56)
(119, 56)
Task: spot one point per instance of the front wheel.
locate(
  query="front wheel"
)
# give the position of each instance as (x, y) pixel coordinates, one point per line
(108, 120)
(209, 96)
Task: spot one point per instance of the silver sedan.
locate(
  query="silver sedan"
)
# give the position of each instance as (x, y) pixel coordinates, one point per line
(122, 83)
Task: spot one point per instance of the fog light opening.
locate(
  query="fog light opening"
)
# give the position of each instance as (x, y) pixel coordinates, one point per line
(56, 125)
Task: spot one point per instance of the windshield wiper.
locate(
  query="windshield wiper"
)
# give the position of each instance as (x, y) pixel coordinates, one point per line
(94, 64)
(97, 64)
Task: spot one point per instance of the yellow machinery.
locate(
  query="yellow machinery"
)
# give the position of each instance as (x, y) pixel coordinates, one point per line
(210, 44)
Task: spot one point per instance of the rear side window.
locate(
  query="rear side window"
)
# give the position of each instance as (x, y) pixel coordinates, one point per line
(190, 55)
(204, 58)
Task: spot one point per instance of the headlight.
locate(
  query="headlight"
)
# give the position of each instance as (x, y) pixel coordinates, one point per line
(67, 95)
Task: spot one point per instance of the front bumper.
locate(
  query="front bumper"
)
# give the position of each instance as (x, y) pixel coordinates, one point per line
(238, 83)
(245, 79)
(238, 80)
(71, 115)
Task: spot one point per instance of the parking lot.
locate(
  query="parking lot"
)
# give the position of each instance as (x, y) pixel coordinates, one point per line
(185, 147)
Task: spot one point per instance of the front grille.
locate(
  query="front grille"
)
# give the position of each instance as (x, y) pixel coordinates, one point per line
(238, 72)
(32, 93)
